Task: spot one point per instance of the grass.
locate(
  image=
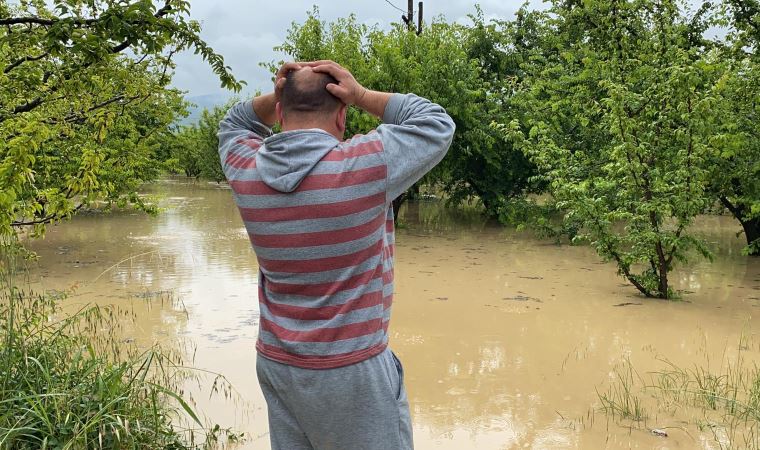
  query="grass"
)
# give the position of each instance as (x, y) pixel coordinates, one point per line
(620, 400)
(722, 403)
(69, 382)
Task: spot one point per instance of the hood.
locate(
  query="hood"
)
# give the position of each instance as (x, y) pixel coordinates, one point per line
(286, 158)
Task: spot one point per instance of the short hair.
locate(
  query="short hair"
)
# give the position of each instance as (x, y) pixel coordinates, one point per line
(306, 92)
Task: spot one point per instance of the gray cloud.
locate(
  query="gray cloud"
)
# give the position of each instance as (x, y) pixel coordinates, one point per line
(245, 32)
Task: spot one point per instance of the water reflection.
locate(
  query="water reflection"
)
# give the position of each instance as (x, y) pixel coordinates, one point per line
(504, 338)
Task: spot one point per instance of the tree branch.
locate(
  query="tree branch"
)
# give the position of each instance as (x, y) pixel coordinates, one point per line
(29, 106)
(47, 219)
(27, 21)
(26, 107)
(33, 20)
(736, 210)
(20, 61)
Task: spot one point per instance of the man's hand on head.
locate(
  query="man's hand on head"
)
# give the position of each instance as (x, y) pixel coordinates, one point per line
(279, 79)
(348, 90)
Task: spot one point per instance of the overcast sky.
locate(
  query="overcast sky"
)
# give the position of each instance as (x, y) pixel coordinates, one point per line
(245, 31)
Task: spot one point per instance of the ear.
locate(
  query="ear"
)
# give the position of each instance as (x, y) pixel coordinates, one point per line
(340, 119)
(278, 113)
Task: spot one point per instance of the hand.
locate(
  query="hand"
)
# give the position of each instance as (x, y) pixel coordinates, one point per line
(279, 79)
(348, 90)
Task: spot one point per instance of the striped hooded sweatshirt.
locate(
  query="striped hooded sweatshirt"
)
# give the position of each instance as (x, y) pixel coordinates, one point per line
(319, 216)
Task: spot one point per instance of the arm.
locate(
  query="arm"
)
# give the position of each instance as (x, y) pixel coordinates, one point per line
(241, 132)
(374, 102)
(416, 133)
(264, 108)
(248, 123)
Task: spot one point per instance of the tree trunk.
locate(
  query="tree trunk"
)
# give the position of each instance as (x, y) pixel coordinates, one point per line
(752, 232)
(751, 226)
(397, 202)
(663, 287)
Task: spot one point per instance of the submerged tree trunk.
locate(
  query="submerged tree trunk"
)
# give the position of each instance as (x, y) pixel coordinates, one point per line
(397, 202)
(662, 272)
(751, 226)
(752, 231)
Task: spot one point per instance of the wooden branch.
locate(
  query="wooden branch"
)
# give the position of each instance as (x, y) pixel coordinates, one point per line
(27, 21)
(29, 106)
(26, 107)
(673, 249)
(79, 118)
(737, 211)
(33, 20)
(45, 220)
(20, 61)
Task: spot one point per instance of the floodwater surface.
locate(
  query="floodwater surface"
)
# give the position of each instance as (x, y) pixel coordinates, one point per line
(506, 339)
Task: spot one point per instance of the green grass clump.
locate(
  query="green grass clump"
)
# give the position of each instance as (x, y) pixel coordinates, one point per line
(722, 401)
(620, 399)
(67, 381)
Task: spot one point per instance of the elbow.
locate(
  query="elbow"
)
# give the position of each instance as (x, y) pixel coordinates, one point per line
(450, 129)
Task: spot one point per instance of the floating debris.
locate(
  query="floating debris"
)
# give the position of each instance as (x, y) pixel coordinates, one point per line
(628, 304)
(659, 432)
(523, 298)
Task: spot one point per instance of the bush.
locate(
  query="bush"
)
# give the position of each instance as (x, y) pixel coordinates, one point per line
(69, 382)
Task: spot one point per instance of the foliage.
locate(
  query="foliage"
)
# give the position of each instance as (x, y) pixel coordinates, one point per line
(194, 149)
(722, 399)
(735, 177)
(83, 94)
(735, 163)
(68, 382)
(623, 112)
(463, 68)
(621, 120)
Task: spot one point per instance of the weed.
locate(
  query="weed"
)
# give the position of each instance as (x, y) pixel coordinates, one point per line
(68, 382)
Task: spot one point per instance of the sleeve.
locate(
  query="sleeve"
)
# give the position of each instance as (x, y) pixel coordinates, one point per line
(241, 132)
(416, 134)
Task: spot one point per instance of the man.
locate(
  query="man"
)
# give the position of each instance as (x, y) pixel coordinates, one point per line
(318, 213)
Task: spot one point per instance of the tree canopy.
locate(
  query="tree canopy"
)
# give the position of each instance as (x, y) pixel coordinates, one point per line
(84, 94)
(624, 115)
(612, 122)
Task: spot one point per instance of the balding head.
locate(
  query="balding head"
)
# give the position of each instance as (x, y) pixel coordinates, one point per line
(305, 93)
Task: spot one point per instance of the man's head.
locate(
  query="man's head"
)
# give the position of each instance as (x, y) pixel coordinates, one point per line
(305, 102)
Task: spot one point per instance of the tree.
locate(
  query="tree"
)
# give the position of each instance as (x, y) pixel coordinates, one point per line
(620, 121)
(485, 166)
(460, 67)
(735, 176)
(84, 98)
(195, 148)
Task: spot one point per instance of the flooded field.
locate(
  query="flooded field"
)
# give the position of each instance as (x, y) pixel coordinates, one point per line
(506, 339)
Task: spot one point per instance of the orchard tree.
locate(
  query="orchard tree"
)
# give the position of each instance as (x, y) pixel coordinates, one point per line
(735, 177)
(735, 169)
(463, 68)
(194, 149)
(620, 126)
(84, 98)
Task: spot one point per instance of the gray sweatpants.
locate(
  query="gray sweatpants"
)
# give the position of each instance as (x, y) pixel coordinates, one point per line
(358, 407)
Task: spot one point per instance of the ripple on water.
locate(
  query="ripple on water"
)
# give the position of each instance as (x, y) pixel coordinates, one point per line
(517, 367)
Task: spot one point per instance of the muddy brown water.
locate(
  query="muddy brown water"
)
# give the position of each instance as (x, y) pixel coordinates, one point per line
(505, 339)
